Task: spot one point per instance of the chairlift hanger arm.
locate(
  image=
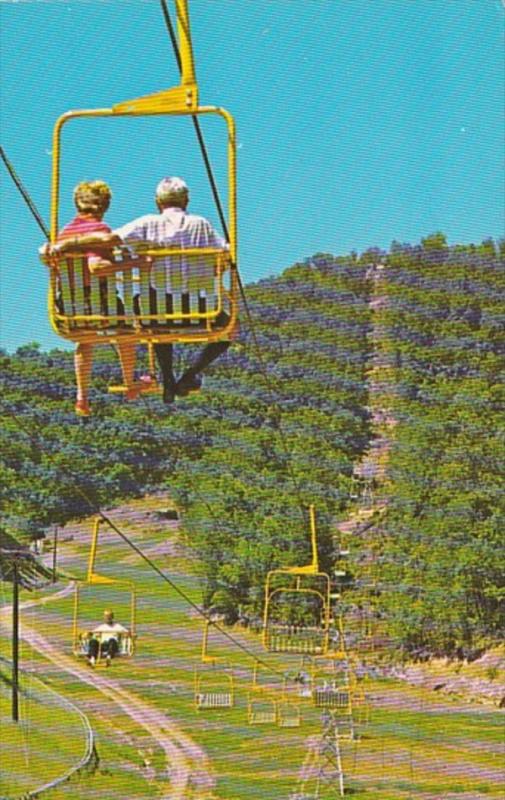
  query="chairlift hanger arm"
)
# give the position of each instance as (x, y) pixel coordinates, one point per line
(149, 109)
(186, 94)
(94, 321)
(196, 124)
(313, 567)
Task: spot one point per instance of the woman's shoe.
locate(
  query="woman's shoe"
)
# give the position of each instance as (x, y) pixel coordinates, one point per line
(133, 392)
(82, 408)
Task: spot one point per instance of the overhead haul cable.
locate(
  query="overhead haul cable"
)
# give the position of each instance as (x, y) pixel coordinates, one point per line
(219, 206)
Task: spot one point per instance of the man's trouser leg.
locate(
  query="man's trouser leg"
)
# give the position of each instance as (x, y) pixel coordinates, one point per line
(93, 646)
(164, 354)
(110, 648)
(208, 355)
(190, 381)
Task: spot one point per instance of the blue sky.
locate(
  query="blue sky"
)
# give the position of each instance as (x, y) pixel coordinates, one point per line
(359, 122)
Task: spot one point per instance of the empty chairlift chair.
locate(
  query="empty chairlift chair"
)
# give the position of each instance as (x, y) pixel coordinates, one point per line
(296, 615)
(214, 687)
(288, 714)
(261, 710)
(214, 691)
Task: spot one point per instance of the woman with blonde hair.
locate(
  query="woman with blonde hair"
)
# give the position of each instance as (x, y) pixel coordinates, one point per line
(92, 199)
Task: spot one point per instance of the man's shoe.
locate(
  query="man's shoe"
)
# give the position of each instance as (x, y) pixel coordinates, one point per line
(187, 384)
(92, 661)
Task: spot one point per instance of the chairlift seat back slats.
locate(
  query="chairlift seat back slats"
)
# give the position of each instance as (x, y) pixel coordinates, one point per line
(144, 301)
(214, 690)
(210, 700)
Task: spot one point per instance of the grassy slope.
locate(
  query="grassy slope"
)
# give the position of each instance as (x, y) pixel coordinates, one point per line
(416, 746)
(44, 745)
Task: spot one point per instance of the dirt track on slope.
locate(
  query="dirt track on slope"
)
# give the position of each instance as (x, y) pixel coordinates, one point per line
(187, 764)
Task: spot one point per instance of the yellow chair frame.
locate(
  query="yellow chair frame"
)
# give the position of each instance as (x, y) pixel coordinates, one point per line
(266, 689)
(205, 657)
(288, 714)
(261, 710)
(304, 578)
(216, 698)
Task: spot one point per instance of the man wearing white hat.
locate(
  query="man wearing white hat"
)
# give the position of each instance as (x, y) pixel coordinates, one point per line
(173, 226)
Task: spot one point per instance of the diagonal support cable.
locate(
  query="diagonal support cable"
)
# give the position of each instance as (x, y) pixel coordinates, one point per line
(24, 193)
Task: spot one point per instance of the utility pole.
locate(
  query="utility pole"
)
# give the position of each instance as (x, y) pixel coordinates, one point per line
(55, 552)
(15, 641)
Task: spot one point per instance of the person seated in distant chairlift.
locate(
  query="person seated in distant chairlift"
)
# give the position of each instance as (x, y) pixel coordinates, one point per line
(104, 639)
(92, 199)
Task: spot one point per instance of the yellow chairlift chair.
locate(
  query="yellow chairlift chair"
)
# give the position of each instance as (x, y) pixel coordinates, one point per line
(261, 710)
(214, 691)
(168, 295)
(263, 698)
(289, 713)
(214, 688)
(293, 589)
(106, 587)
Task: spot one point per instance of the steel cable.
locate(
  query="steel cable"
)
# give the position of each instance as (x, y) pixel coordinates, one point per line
(276, 421)
(25, 195)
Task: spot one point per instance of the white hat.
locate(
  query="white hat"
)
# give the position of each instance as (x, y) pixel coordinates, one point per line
(171, 189)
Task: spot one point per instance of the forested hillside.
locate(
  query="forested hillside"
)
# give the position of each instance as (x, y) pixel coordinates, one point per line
(242, 458)
(441, 550)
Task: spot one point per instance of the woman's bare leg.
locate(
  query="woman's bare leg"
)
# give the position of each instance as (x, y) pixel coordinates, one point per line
(127, 356)
(83, 361)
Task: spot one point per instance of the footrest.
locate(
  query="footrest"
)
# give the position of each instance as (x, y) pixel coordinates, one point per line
(142, 386)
